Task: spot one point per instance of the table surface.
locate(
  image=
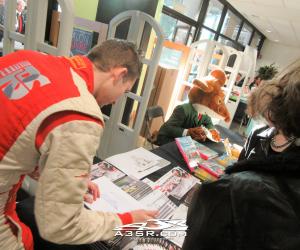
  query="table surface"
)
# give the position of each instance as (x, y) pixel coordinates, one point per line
(171, 153)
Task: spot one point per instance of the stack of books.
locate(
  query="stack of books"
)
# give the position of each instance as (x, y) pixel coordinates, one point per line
(203, 161)
(189, 151)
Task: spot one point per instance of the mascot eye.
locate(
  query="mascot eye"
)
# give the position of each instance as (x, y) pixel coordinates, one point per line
(219, 101)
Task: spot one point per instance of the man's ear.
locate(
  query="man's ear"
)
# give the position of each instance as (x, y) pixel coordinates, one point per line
(119, 72)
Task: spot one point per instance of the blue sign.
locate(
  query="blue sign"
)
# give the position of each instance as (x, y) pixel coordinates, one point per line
(81, 41)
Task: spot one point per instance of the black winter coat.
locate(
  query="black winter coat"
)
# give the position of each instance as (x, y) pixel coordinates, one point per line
(255, 205)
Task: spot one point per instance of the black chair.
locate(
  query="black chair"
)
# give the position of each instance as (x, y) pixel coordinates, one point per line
(151, 113)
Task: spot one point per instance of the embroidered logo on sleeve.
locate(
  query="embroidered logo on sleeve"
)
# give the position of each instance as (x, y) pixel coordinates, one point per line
(77, 62)
(17, 80)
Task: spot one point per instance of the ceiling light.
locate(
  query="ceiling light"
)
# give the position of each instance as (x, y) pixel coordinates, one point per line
(269, 31)
(276, 40)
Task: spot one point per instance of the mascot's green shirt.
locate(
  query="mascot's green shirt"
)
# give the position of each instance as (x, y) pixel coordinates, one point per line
(183, 117)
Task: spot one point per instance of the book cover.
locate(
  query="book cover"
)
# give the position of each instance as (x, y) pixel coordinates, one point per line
(189, 151)
(138, 162)
(226, 160)
(203, 175)
(205, 152)
(104, 168)
(212, 168)
(134, 187)
(176, 183)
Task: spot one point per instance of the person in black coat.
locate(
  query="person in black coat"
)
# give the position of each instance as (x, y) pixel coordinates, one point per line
(256, 204)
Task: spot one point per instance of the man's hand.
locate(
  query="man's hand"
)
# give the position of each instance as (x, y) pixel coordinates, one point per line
(93, 192)
(197, 133)
(142, 215)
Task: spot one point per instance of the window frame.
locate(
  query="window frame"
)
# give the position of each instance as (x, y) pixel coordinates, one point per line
(199, 24)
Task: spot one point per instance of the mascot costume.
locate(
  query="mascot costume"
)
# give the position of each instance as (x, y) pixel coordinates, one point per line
(206, 99)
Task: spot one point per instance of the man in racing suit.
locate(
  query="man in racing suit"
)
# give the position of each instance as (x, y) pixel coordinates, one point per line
(50, 118)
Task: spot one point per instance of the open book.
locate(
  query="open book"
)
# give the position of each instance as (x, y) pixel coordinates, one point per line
(113, 198)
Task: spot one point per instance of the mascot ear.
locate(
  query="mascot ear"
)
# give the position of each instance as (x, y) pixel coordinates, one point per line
(219, 75)
(203, 85)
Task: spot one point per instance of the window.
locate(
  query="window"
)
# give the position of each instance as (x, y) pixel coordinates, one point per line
(190, 8)
(230, 43)
(185, 21)
(213, 14)
(255, 40)
(231, 25)
(183, 33)
(206, 34)
(245, 34)
(175, 30)
(225, 41)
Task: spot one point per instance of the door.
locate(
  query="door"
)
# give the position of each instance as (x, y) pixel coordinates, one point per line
(124, 121)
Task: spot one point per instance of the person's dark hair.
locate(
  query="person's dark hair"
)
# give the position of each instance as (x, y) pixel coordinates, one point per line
(279, 101)
(116, 53)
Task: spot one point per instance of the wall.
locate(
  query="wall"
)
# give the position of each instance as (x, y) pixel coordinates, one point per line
(277, 53)
(86, 9)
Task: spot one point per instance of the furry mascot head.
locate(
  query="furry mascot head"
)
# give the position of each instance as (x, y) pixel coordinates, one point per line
(208, 94)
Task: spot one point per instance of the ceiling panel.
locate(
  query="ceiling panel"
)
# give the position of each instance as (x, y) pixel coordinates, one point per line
(296, 29)
(292, 4)
(272, 3)
(281, 17)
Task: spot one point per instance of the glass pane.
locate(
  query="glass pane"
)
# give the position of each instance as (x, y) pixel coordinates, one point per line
(192, 74)
(230, 43)
(168, 25)
(191, 36)
(225, 41)
(256, 40)
(213, 14)
(190, 8)
(106, 109)
(175, 30)
(138, 87)
(231, 25)
(245, 34)
(170, 58)
(2, 6)
(231, 60)
(206, 34)
(182, 30)
(130, 112)
(21, 14)
(217, 56)
(183, 93)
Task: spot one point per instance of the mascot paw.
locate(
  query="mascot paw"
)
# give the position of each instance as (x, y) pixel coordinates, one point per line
(197, 133)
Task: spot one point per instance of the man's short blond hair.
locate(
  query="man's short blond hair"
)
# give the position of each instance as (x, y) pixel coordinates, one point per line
(116, 53)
